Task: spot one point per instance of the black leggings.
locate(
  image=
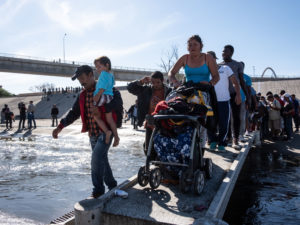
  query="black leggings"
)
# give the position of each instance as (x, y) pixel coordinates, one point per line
(235, 109)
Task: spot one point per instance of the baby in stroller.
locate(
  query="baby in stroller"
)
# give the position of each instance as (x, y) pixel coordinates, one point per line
(176, 142)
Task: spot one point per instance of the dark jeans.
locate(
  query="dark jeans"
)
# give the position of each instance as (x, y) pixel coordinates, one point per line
(223, 124)
(147, 139)
(265, 126)
(8, 121)
(22, 121)
(134, 122)
(101, 171)
(54, 118)
(296, 121)
(288, 126)
(31, 119)
(235, 109)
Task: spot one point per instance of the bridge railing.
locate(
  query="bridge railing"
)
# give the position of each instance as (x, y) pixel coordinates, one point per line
(73, 62)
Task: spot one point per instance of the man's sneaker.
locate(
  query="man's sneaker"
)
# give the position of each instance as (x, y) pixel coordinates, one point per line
(213, 146)
(247, 133)
(235, 144)
(94, 195)
(221, 148)
(241, 138)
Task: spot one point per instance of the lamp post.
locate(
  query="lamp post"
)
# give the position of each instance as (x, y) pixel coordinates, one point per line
(64, 47)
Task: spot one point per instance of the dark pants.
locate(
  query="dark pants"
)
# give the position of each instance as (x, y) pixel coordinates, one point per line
(22, 121)
(288, 126)
(8, 121)
(265, 126)
(235, 109)
(223, 124)
(134, 122)
(54, 118)
(296, 121)
(147, 139)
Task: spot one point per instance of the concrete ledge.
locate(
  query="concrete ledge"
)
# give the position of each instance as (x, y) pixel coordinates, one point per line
(220, 201)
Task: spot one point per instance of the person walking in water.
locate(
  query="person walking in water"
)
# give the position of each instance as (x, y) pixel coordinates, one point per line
(30, 115)
(7, 114)
(104, 95)
(54, 113)
(22, 109)
(83, 107)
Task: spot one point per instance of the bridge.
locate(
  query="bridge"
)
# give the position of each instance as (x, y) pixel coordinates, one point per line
(13, 64)
(36, 66)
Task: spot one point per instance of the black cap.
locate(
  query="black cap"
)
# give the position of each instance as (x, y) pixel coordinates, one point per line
(80, 70)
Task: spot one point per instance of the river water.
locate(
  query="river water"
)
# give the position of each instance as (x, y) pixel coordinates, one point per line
(268, 188)
(42, 178)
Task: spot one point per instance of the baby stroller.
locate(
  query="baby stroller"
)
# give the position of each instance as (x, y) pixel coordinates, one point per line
(192, 170)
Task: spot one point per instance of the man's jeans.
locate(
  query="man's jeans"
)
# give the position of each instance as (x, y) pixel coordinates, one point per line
(288, 126)
(100, 167)
(30, 117)
(54, 118)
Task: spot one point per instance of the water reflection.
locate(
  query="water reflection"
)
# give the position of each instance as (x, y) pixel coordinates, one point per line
(268, 189)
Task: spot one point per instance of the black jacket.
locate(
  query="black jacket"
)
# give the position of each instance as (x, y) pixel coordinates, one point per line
(54, 111)
(144, 94)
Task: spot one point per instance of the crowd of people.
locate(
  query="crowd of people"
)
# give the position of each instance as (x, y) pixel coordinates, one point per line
(237, 108)
(8, 117)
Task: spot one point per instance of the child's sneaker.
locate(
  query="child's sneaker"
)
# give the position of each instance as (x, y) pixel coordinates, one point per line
(221, 148)
(213, 146)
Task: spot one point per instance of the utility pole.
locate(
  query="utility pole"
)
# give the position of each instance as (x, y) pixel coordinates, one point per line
(64, 47)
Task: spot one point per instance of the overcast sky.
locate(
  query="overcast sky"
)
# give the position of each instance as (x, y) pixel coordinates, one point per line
(138, 33)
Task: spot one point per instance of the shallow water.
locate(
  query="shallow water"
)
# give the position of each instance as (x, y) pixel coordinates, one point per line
(42, 178)
(268, 189)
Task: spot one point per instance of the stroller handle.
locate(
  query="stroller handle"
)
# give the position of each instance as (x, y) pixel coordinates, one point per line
(179, 116)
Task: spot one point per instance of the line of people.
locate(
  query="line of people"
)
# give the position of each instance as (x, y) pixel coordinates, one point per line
(98, 102)
(8, 117)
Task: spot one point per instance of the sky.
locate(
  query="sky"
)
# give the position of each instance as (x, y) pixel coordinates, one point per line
(137, 33)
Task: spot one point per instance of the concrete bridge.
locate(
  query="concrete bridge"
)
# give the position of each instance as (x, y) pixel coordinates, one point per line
(29, 65)
(61, 69)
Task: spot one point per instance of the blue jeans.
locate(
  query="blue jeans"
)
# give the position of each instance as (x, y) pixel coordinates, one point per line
(101, 171)
(30, 117)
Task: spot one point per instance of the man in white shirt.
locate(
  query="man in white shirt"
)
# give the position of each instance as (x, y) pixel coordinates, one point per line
(223, 98)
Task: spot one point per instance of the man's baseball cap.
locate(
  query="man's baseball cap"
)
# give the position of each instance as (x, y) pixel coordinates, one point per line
(286, 95)
(213, 54)
(80, 70)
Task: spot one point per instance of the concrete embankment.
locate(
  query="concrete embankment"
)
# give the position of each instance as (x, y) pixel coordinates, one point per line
(64, 102)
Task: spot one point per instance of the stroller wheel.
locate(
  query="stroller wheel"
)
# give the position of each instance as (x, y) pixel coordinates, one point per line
(143, 178)
(208, 168)
(155, 178)
(199, 181)
(183, 184)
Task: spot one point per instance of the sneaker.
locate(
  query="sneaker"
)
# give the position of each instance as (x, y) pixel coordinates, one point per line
(213, 146)
(241, 138)
(235, 144)
(94, 195)
(221, 148)
(248, 133)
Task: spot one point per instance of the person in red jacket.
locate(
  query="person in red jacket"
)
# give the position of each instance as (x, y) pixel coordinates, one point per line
(84, 108)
